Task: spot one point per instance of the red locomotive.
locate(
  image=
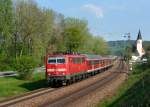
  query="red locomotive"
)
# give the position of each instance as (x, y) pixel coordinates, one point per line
(65, 69)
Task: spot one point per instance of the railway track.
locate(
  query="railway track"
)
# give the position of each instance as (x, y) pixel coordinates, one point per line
(26, 96)
(63, 99)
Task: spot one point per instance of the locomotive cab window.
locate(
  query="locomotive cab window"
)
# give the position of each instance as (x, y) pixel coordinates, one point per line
(51, 60)
(56, 60)
(61, 60)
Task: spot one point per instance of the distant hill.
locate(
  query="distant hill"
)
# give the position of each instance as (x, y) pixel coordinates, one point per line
(118, 47)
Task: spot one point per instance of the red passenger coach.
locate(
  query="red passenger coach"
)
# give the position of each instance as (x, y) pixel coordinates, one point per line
(73, 67)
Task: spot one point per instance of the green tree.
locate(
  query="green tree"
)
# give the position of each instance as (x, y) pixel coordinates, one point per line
(56, 43)
(74, 34)
(6, 32)
(27, 30)
(34, 29)
(6, 25)
(97, 45)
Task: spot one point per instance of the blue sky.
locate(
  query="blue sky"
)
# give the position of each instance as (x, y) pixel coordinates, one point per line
(110, 19)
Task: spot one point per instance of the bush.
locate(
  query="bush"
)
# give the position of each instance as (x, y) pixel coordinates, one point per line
(5, 63)
(24, 66)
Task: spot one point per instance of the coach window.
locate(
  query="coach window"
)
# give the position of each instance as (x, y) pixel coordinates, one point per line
(83, 60)
(77, 60)
(97, 62)
(74, 60)
(89, 62)
(102, 61)
(92, 62)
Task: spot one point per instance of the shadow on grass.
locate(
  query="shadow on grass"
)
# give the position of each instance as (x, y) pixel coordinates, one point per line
(34, 85)
(137, 96)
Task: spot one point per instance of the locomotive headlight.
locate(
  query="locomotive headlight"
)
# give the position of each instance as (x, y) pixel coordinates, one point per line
(61, 69)
(50, 70)
(58, 69)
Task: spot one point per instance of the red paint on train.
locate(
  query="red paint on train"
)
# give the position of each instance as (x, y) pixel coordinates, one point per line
(66, 68)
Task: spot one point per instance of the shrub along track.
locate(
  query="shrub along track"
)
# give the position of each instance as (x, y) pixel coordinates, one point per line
(64, 95)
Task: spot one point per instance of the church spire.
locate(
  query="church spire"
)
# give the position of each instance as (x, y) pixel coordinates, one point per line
(139, 35)
(139, 45)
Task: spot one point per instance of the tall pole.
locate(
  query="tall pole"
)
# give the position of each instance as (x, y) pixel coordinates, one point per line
(128, 49)
(128, 43)
(128, 46)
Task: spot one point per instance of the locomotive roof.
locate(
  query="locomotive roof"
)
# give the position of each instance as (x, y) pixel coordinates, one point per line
(64, 55)
(89, 56)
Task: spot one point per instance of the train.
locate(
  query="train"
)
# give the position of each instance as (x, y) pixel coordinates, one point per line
(64, 69)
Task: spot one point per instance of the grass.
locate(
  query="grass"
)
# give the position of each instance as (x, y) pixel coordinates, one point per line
(11, 86)
(135, 92)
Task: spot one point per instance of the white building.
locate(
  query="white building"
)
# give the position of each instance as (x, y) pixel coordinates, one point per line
(139, 49)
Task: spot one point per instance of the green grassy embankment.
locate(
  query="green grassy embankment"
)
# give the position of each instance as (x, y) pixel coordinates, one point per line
(135, 92)
(11, 86)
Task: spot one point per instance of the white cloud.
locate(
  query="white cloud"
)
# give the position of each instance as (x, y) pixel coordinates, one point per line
(97, 10)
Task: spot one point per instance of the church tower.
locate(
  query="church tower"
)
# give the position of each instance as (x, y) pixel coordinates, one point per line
(139, 47)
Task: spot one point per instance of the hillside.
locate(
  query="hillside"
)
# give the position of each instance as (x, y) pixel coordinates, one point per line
(134, 92)
(117, 47)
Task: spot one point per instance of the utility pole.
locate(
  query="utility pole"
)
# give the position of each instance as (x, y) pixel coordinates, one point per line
(128, 48)
(128, 44)
(129, 51)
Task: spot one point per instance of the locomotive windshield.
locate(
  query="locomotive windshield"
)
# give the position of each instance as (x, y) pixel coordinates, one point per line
(56, 60)
(51, 60)
(60, 60)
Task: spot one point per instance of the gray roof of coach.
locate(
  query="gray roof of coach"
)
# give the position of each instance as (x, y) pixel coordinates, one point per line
(89, 56)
